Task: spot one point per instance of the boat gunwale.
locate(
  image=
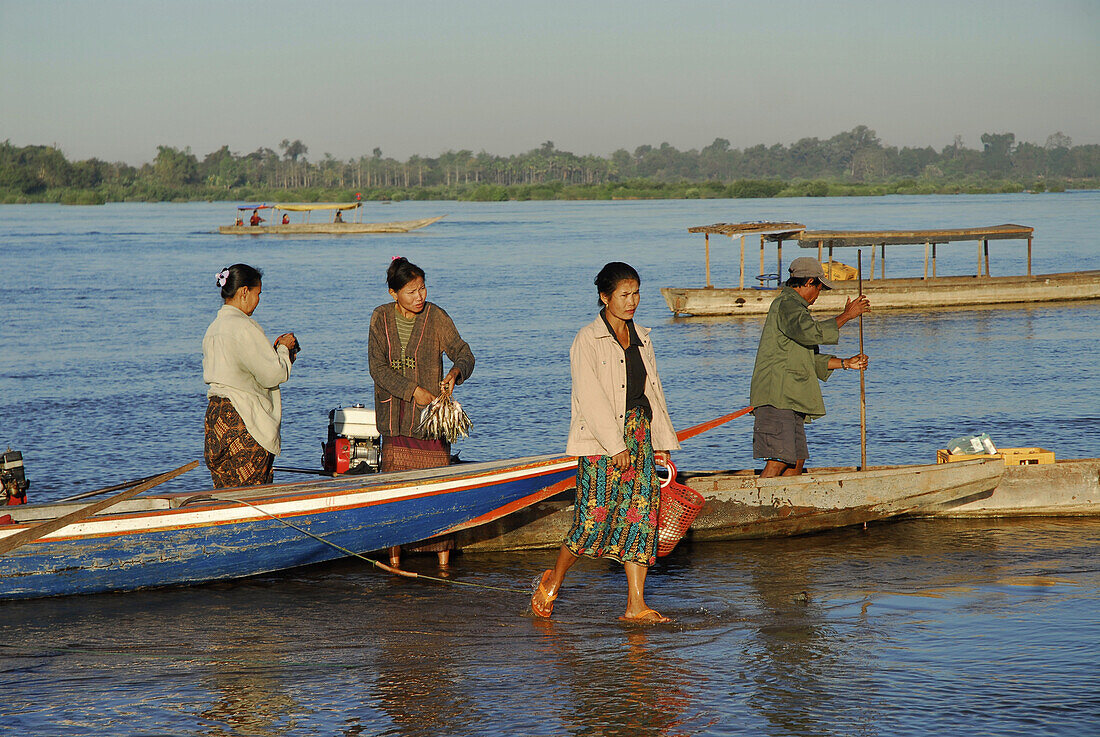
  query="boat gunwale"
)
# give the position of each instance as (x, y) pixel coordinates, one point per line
(211, 505)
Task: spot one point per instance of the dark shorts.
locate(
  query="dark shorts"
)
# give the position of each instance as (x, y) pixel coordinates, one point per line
(779, 435)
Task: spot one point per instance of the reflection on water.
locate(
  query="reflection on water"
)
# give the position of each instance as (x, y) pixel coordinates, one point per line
(627, 685)
(792, 652)
(969, 627)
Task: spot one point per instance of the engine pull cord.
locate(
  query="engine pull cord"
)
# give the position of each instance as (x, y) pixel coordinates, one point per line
(375, 563)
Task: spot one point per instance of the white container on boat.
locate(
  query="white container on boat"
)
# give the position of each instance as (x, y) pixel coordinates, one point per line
(354, 422)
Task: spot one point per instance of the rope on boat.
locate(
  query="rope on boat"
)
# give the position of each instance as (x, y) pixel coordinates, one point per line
(375, 563)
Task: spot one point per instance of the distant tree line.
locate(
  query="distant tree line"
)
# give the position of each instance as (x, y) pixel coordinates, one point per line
(852, 162)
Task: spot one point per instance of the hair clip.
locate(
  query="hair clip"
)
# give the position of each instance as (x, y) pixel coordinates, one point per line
(223, 277)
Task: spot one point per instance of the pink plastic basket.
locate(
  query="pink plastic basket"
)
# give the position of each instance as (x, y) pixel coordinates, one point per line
(680, 505)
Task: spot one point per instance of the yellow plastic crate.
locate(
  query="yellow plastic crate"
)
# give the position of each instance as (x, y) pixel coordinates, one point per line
(1011, 456)
(1026, 456)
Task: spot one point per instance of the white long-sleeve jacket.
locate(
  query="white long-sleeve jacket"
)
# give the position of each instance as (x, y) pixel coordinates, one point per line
(238, 362)
(598, 366)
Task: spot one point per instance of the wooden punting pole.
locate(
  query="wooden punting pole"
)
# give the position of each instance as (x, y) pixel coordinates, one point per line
(862, 375)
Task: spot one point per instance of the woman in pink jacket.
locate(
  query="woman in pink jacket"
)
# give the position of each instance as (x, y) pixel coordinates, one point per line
(619, 416)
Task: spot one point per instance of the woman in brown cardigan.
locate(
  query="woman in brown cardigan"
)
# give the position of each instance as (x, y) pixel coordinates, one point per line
(408, 338)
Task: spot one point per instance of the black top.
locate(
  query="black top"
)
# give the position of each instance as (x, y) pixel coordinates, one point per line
(635, 369)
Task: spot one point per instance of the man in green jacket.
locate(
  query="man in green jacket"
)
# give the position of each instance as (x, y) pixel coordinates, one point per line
(785, 392)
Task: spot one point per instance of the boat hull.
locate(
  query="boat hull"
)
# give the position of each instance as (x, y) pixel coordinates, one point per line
(898, 294)
(193, 538)
(403, 226)
(1066, 488)
(743, 506)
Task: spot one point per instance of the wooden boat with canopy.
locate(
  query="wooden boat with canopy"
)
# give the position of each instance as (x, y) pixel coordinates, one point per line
(927, 291)
(326, 224)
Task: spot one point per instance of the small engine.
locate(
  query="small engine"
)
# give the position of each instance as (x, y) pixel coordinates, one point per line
(354, 443)
(13, 481)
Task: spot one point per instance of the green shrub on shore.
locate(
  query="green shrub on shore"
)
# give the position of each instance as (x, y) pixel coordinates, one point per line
(634, 189)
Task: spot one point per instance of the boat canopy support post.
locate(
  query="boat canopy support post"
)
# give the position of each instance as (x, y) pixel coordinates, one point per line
(742, 271)
(985, 250)
(872, 278)
(778, 260)
(1029, 255)
(706, 257)
(933, 261)
(927, 248)
(883, 260)
(761, 255)
(819, 250)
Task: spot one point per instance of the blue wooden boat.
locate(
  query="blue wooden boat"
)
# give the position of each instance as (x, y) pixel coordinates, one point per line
(187, 538)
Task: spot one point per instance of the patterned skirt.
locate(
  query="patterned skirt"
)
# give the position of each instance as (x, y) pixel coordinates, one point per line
(402, 453)
(615, 515)
(232, 455)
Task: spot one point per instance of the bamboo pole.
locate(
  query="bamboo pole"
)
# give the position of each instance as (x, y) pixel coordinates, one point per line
(1029, 255)
(778, 260)
(927, 247)
(985, 248)
(933, 261)
(872, 263)
(862, 375)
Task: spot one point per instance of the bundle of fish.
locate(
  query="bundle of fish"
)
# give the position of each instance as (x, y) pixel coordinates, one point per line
(444, 418)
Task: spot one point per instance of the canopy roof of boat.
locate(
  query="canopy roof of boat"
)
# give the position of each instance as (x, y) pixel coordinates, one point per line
(759, 227)
(320, 206)
(255, 207)
(841, 238)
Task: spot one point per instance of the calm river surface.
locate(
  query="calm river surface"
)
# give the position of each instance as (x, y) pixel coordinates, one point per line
(983, 628)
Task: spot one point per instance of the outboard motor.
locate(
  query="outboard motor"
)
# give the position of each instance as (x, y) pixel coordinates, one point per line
(13, 481)
(354, 443)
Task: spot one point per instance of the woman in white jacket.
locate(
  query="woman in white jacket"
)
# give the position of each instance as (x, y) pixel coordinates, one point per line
(619, 416)
(244, 372)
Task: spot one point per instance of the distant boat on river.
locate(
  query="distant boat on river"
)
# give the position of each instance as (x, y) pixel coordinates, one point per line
(336, 226)
(929, 290)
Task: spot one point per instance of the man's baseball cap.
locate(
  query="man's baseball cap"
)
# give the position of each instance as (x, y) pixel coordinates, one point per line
(806, 266)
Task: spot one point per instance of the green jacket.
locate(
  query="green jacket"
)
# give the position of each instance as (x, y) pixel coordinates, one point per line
(788, 364)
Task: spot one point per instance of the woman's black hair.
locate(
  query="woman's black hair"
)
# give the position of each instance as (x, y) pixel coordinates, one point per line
(237, 276)
(401, 272)
(610, 276)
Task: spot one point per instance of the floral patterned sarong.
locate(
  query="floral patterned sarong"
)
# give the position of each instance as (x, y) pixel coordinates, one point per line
(232, 454)
(615, 515)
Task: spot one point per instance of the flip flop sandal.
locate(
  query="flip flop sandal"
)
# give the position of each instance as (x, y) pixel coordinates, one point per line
(649, 616)
(538, 586)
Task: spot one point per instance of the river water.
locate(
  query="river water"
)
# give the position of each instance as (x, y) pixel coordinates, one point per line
(920, 627)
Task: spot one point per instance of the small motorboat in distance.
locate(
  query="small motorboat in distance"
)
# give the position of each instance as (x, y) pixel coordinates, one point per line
(337, 225)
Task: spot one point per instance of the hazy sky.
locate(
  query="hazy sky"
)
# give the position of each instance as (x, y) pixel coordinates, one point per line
(113, 78)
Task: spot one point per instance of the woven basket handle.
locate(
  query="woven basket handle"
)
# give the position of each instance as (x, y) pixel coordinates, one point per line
(671, 473)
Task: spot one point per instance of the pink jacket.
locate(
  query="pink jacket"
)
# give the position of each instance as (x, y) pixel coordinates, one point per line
(598, 367)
